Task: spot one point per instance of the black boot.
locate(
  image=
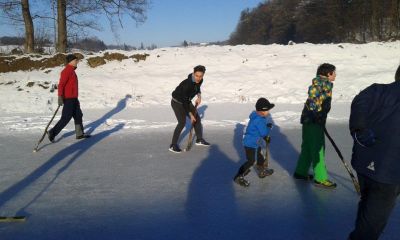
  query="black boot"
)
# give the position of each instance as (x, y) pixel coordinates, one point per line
(83, 136)
(239, 179)
(50, 136)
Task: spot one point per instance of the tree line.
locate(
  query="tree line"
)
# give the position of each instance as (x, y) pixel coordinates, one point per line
(68, 18)
(318, 21)
(88, 44)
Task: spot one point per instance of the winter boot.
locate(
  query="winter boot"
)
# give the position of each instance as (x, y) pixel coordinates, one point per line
(50, 136)
(79, 132)
(239, 179)
(262, 171)
(325, 184)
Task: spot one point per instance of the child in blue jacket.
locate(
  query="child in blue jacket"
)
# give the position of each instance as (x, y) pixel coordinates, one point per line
(257, 130)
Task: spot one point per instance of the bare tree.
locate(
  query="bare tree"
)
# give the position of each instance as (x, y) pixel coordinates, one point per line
(61, 26)
(29, 29)
(79, 15)
(12, 11)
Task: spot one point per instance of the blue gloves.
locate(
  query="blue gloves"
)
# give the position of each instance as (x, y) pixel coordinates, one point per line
(364, 137)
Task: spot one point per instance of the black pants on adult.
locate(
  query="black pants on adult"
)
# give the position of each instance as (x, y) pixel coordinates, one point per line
(376, 203)
(252, 155)
(181, 115)
(71, 109)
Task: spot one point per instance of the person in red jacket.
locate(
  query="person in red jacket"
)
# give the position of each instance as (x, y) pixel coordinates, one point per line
(68, 96)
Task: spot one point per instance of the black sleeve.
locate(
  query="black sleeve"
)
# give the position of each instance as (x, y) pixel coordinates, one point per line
(186, 90)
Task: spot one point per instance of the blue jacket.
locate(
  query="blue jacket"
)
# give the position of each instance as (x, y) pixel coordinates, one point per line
(256, 130)
(377, 109)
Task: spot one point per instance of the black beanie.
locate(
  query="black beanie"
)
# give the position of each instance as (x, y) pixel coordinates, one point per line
(263, 105)
(70, 57)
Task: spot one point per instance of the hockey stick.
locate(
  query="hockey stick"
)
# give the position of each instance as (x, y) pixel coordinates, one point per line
(191, 137)
(12, 219)
(266, 155)
(267, 141)
(353, 178)
(45, 130)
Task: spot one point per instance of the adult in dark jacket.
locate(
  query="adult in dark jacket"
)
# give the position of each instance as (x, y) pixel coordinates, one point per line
(68, 96)
(375, 128)
(182, 105)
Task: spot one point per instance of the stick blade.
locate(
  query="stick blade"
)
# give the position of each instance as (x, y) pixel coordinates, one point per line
(12, 219)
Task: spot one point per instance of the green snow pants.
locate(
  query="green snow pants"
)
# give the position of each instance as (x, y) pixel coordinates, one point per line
(312, 152)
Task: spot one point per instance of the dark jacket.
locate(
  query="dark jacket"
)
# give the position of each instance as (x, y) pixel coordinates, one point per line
(68, 84)
(185, 92)
(318, 103)
(377, 109)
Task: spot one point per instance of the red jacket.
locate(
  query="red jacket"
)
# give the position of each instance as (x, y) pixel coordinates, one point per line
(68, 85)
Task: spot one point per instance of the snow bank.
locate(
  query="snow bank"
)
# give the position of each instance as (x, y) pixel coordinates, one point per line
(235, 74)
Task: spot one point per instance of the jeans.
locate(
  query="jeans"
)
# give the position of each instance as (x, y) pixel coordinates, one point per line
(181, 115)
(252, 154)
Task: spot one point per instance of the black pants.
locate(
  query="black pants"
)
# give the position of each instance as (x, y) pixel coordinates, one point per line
(181, 115)
(70, 110)
(376, 203)
(252, 154)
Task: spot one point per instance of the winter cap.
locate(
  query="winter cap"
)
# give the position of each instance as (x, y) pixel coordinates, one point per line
(70, 57)
(263, 105)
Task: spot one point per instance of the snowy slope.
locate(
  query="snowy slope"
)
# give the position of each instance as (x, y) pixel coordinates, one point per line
(235, 74)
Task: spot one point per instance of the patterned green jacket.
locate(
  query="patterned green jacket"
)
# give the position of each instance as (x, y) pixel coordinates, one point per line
(318, 103)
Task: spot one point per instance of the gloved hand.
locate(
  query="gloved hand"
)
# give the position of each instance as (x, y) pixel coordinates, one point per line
(269, 125)
(267, 139)
(364, 137)
(320, 118)
(60, 101)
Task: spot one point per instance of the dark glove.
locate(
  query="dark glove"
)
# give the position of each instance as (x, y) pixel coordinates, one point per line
(320, 118)
(267, 139)
(269, 125)
(364, 137)
(60, 101)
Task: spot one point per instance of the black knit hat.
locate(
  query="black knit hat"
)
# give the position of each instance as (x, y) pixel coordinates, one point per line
(263, 105)
(70, 57)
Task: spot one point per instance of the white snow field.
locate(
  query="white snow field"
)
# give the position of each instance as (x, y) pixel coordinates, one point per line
(123, 183)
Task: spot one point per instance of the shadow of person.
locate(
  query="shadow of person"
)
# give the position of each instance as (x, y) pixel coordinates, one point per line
(282, 150)
(210, 209)
(188, 125)
(75, 151)
(238, 144)
(89, 128)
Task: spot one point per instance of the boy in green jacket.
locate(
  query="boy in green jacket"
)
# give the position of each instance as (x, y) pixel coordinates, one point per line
(313, 119)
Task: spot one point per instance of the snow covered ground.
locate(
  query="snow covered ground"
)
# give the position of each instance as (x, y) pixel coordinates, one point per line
(235, 74)
(123, 183)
